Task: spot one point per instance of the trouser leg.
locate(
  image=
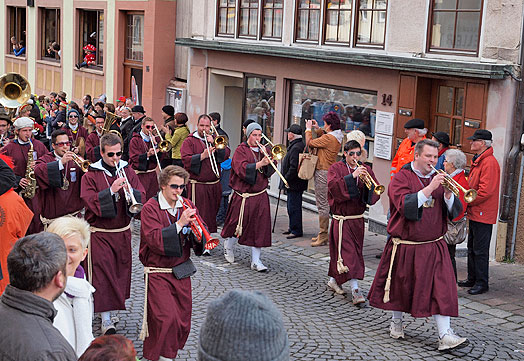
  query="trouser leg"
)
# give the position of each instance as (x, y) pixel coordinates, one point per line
(294, 211)
(481, 242)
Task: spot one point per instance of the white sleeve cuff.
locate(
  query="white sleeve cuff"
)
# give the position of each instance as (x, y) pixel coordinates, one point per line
(421, 198)
(449, 202)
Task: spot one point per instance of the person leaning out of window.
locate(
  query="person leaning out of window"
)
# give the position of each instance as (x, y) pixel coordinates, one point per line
(327, 145)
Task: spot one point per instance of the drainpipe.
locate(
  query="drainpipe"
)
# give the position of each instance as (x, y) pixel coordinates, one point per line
(511, 166)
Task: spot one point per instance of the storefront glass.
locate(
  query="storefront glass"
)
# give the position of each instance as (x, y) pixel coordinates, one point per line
(260, 102)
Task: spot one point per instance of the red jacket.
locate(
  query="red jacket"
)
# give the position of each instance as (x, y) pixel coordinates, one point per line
(461, 179)
(485, 179)
(405, 154)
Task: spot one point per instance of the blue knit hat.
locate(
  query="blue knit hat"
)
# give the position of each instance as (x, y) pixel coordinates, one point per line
(243, 325)
(73, 110)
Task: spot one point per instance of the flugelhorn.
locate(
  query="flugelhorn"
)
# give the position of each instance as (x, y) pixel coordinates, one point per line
(454, 187)
(369, 182)
(81, 162)
(198, 228)
(263, 150)
(134, 206)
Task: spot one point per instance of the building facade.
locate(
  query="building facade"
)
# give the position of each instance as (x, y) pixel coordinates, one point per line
(377, 63)
(133, 42)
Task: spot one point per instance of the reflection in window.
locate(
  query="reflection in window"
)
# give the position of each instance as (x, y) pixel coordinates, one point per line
(371, 22)
(92, 32)
(308, 22)
(50, 40)
(16, 36)
(226, 17)
(338, 21)
(260, 103)
(248, 18)
(135, 37)
(272, 19)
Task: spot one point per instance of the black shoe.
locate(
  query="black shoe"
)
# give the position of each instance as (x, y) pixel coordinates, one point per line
(478, 289)
(286, 233)
(291, 236)
(77, 66)
(466, 283)
(379, 256)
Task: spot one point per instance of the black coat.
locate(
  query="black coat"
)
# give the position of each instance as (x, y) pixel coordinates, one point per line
(290, 166)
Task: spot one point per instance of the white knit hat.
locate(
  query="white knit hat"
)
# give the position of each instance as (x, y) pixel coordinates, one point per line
(23, 122)
(357, 135)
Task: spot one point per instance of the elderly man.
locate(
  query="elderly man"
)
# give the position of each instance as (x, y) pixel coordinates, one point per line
(130, 128)
(415, 132)
(415, 274)
(37, 268)
(482, 212)
(297, 186)
(19, 150)
(442, 138)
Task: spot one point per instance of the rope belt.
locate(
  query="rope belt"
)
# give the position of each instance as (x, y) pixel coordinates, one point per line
(193, 188)
(396, 242)
(144, 332)
(341, 268)
(89, 260)
(238, 230)
(145, 171)
(47, 221)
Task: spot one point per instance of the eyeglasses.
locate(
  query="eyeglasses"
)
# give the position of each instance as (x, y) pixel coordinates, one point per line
(73, 116)
(112, 154)
(62, 144)
(149, 126)
(359, 153)
(177, 186)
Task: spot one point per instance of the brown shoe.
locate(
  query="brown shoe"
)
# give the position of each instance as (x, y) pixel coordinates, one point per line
(322, 238)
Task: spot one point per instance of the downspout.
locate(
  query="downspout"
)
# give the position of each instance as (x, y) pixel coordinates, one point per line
(511, 166)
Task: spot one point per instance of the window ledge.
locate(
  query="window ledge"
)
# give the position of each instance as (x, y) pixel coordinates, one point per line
(12, 56)
(49, 62)
(90, 71)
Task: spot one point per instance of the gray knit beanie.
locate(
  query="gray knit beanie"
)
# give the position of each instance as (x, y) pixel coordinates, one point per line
(243, 325)
(251, 127)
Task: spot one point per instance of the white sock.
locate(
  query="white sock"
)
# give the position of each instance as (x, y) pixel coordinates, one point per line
(162, 358)
(230, 242)
(397, 315)
(331, 279)
(443, 324)
(106, 316)
(255, 255)
(353, 283)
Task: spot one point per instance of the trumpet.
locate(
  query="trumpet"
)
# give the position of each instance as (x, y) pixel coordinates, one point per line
(81, 162)
(369, 182)
(198, 228)
(454, 187)
(134, 206)
(264, 151)
(221, 141)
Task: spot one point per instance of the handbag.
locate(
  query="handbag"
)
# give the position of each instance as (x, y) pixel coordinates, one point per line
(184, 270)
(307, 163)
(457, 232)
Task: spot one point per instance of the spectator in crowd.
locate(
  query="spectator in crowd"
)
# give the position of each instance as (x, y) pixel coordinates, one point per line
(360, 137)
(226, 191)
(5, 130)
(120, 103)
(52, 97)
(18, 47)
(62, 96)
(138, 114)
(56, 50)
(109, 107)
(130, 103)
(244, 127)
(168, 127)
(99, 108)
(243, 325)
(37, 270)
(442, 138)
(75, 305)
(110, 348)
(180, 134)
(415, 132)
(327, 145)
(59, 120)
(87, 105)
(297, 186)
(215, 118)
(125, 113)
(89, 57)
(102, 98)
(454, 164)
(50, 51)
(482, 212)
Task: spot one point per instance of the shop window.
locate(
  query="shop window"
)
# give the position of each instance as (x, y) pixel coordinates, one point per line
(455, 25)
(308, 20)
(272, 19)
(226, 18)
(50, 34)
(135, 38)
(248, 18)
(91, 32)
(356, 108)
(338, 21)
(16, 41)
(371, 22)
(260, 103)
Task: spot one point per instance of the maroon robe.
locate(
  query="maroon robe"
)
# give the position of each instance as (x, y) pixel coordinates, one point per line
(93, 147)
(347, 196)
(110, 252)
(139, 161)
(257, 217)
(56, 202)
(169, 300)
(18, 153)
(81, 132)
(422, 280)
(207, 196)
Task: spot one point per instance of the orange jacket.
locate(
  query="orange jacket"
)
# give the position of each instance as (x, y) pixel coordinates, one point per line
(405, 154)
(485, 179)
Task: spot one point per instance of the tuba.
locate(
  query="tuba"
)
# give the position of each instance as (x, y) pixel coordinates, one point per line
(111, 118)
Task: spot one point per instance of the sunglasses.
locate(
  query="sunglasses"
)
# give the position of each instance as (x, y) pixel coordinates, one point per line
(73, 116)
(177, 186)
(62, 144)
(149, 126)
(359, 153)
(112, 154)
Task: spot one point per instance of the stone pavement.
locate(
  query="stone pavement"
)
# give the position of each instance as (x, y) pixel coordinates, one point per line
(325, 326)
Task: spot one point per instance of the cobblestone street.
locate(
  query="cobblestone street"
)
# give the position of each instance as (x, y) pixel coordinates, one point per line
(325, 326)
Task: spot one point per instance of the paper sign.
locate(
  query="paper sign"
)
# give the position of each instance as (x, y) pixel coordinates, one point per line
(384, 122)
(382, 146)
(297, 110)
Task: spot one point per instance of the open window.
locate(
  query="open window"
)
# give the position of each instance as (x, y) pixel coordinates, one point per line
(91, 36)
(50, 34)
(16, 40)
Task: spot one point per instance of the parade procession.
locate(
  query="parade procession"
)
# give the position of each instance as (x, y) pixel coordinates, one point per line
(261, 180)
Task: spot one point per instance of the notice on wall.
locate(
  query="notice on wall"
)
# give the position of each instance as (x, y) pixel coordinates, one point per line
(382, 146)
(384, 122)
(297, 110)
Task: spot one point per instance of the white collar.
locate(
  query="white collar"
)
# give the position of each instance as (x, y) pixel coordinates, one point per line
(457, 171)
(165, 205)
(57, 157)
(196, 135)
(98, 166)
(420, 175)
(21, 142)
(73, 127)
(145, 137)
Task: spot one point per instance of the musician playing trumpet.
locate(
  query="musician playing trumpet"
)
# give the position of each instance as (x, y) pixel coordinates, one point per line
(166, 240)
(58, 178)
(202, 160)
(348, 197)
(104, 192)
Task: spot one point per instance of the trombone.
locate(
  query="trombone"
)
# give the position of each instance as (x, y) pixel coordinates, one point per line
(221, 141)
(212, 159)
(155, 146)
(81, 162)
(453, 186)
(164, 145)
(369, 182)
(276, 155)
(134, 206)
